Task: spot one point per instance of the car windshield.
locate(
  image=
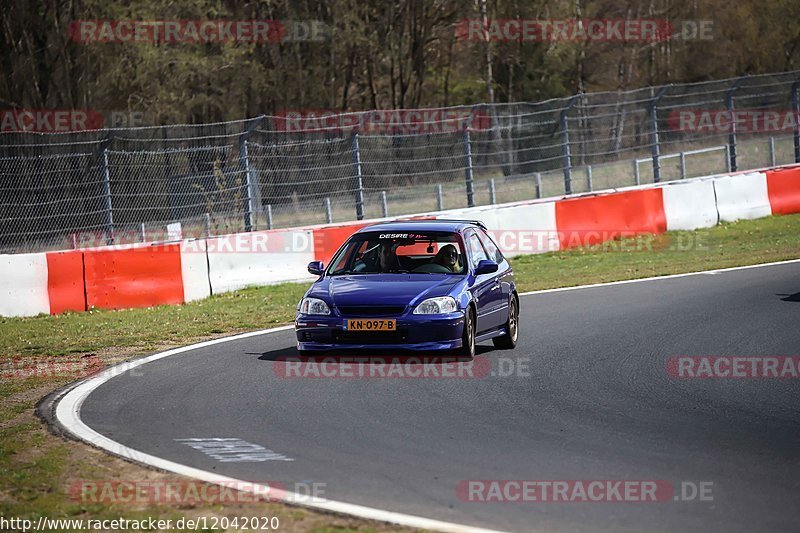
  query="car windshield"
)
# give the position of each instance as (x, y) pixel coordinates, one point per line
(436, 252)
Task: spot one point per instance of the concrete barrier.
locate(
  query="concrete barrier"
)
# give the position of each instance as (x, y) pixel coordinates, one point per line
(258, 258)
(783, 189)
(742, 196)
(23, 285)
(690, 205)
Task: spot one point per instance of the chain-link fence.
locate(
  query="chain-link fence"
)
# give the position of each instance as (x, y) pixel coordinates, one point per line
(131, 185)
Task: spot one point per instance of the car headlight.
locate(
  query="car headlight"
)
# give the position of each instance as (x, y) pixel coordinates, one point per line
(314, 306)
(437, 306)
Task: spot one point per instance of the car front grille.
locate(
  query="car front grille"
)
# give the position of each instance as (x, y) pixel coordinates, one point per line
(371, 310)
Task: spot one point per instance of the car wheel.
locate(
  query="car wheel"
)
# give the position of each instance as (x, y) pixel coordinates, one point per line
(467, 349)
(509, 340)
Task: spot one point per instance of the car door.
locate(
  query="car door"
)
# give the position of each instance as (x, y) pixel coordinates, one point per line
(504, 273)
(485, 289)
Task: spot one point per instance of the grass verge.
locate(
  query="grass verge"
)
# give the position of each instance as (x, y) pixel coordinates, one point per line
(747, 242)
(40, 354)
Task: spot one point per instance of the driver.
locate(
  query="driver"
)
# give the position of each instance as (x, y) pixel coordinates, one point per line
(447, 256)
(387, 257)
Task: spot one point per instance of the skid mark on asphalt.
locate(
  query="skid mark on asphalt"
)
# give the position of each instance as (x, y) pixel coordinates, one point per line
(229, 450)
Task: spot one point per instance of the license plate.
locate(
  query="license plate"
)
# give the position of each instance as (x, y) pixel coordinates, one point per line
(370, 324)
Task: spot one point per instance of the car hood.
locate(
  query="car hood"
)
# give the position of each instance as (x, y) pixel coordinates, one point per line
(385, 289)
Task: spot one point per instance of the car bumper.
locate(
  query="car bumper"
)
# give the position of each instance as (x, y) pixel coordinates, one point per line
(414, 332)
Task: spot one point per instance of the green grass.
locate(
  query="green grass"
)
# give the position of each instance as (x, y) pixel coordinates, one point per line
(740, 243)
(35, 467)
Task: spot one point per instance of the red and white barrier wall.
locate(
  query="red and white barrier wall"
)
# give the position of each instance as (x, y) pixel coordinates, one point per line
(258, 258)
(742, 196)
(690, 205)
(783, 190)
(194, 270)
(520, 228)
(173, 273)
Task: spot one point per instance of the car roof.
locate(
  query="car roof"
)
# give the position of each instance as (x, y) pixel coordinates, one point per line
(422, 225)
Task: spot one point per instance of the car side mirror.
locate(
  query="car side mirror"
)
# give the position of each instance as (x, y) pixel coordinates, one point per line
(316, 268)
(485, 266)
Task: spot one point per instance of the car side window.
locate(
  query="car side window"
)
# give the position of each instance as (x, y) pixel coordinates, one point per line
(357, 261)
(476, 251)
(491, 248)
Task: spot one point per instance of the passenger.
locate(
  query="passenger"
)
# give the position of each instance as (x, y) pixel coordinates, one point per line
(447, 256)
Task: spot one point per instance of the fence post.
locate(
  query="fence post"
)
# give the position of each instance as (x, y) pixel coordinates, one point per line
(177, 196)
(144, 232)
(728, 157)
(384, 204)
(654, 141)
(245, 164)
(439, 197)
(683, 165)
(207, 218)
(468, 177)
(732, 135)
(796, 109)
(538, 177)
(636, 178)
(108, 211)
(772, 158)
(563, 125)
(491, 191)
(589, 178)
(269, 216)
(328, 215)
(251, 180)
(359, 178)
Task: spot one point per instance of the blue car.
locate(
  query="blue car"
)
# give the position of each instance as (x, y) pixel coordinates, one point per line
(425, 285)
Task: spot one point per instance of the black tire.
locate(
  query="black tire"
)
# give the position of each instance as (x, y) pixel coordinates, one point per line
(509, 340)
(467, 350)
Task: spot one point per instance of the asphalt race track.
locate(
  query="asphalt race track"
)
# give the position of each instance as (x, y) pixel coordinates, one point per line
(589, 398)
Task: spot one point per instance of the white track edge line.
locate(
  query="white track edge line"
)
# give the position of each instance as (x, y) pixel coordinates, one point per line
(67, 412)
(657, 278)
